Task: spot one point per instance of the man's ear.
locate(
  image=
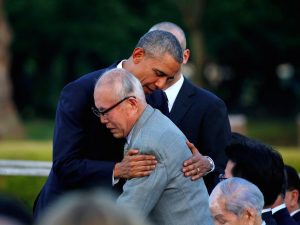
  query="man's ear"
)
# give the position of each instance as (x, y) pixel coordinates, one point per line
(133, 104)
(186, 56)
(294, 197)
(250, 215)
(138, 55)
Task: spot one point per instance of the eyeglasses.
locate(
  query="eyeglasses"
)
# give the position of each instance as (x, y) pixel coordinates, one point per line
(99, 113)
(222, 177)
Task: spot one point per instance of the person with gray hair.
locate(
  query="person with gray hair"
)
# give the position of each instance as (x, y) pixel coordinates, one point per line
(88, 208)
(236, 201)
(198, 113)
(166, 196)
(85, 154)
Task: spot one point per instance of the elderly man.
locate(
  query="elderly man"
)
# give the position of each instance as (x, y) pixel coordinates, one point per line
(166, 196)
(236, 201)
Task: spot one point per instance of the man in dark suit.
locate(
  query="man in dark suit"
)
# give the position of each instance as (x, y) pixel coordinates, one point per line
(199, 114)
(292, 195)
(85, 154)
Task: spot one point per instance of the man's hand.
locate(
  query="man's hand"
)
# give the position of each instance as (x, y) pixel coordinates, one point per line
(135, 165)
(196, 166)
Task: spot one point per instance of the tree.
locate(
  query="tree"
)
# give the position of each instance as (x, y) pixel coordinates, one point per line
(10, 125)
(192, 11)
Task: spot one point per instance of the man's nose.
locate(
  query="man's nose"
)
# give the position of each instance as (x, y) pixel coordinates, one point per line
(103, 119)
(160, 83)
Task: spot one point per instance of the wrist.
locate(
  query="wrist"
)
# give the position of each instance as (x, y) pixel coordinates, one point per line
(115, 171)
(211, 165)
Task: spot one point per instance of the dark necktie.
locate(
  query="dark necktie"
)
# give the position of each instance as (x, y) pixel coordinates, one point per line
(165, 107)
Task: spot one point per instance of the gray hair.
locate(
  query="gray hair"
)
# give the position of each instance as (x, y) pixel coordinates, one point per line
(157, 43)
(122, 83)
(171, 27)
(238, 195)
(88, 208)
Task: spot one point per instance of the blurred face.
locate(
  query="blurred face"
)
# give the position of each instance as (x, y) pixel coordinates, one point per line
(228, 169)
(153, 72)
(291, 200)
(117, 119)
(223, 216)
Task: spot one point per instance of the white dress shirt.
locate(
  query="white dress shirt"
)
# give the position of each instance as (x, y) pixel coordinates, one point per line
(173, 91)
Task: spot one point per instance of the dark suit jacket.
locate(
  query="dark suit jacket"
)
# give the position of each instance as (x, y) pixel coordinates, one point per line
(84, 151)
(268, 218)
(283, 217)
(203, 118)
(296, 217)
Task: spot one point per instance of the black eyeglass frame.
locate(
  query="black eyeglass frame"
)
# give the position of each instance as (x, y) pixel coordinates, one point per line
(222, 177)
(98, 112)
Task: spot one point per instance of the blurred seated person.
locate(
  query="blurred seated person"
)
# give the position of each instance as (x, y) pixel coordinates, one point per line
(88, 208)
(292, 198)
(13, 212)
(236, 201)
(261, 165)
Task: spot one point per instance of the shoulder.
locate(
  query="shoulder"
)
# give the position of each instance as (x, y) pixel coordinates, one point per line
(201, 96)
(86, 83)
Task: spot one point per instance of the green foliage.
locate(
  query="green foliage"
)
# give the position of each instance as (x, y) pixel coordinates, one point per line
(58, 41)
(274, 131)
(39, 129)
(23, 188)
(249, 39)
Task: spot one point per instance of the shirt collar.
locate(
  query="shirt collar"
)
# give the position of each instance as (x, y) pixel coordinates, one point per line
(120, 65)
(293, 213)
(173, 91)
(277, 208)
(266, 210)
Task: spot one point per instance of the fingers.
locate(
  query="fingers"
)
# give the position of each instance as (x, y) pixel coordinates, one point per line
(131, 152)
(135, 165)
(192, 147)
(194, 159)
(194, 172)
(137, 157)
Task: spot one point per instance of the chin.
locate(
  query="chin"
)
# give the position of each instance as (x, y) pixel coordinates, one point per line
(116, 135)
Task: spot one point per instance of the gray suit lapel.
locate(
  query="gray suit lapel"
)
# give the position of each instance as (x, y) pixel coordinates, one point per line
(183, 102)
(139, 125)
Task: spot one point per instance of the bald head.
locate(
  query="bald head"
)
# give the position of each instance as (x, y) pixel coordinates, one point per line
(174, 29)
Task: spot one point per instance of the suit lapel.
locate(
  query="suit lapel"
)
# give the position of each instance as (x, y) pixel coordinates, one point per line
(183, 101)
(146, 115)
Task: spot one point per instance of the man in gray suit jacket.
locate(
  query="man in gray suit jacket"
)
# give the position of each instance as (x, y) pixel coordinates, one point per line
(166, 196)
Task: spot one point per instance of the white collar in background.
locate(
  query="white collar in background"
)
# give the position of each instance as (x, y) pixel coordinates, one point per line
(120, 66)
(266, 210)
(173, 91)
(293, 213)
(277, 208)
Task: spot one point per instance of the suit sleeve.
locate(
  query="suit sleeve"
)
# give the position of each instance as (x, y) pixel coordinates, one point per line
(71, 168)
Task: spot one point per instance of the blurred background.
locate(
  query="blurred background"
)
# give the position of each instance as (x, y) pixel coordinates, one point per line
(245, 51)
